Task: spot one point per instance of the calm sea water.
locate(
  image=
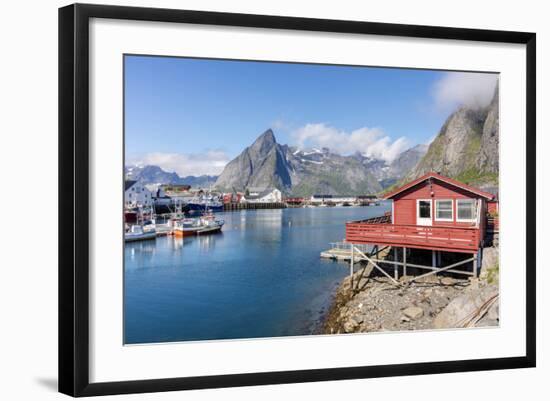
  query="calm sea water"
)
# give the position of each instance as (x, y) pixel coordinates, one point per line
(261, 277)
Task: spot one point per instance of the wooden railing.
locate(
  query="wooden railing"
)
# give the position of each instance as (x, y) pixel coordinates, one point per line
(446, 238)
(385, 218)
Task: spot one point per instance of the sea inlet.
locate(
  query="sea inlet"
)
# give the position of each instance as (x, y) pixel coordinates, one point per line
(261, 277)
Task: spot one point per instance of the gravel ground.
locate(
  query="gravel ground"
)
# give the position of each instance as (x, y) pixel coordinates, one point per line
(380, 305)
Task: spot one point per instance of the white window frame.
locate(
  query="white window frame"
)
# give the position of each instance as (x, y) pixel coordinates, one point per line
(424, 218)
(474, 219)
(452, 210)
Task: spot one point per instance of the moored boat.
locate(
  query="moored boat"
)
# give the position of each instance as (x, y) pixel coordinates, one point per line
(186, 227)
(206, 224)
(210, 224)
(137, 233)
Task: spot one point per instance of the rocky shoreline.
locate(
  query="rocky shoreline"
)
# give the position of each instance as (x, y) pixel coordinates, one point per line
(435, 302)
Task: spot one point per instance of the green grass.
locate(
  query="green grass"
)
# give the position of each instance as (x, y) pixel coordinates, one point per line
(474, 176)
(493, 274)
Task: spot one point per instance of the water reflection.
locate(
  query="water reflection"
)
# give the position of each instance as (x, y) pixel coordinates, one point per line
(262, 276)
(140, 250)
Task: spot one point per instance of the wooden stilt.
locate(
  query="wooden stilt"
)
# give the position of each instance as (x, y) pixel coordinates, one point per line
(474, 263)
(351, 261)
(436, 269)
(395, 267)
(434, 263)
(365, 257)
(446, 268)
(404, 261)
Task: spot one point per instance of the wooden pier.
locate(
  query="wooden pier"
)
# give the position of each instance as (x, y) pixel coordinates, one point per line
(342, 251)
(227, 207)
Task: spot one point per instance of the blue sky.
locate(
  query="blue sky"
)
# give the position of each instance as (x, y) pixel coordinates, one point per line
(193, 115)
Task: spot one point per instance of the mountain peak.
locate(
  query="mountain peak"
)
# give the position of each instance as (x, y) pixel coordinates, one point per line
(268, 136)
(264, 143)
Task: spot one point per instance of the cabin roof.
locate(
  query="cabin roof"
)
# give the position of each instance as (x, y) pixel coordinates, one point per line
(129, 184)
(441, 178)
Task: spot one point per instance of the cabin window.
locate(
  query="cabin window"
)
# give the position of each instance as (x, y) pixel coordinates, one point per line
(424, 209)
(465, 209)
(444, 209)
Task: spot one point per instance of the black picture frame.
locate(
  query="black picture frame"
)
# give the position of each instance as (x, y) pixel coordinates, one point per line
(74, 200)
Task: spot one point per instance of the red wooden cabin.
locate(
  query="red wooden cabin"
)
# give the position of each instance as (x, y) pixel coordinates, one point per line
(433, 212)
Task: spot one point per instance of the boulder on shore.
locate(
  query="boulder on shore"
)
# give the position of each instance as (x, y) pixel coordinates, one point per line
(468, 308)
(413, 312)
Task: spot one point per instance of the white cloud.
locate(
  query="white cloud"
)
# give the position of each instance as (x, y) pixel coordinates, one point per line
(372, 142)
(279, 125)
(210, 163)
(464, 88)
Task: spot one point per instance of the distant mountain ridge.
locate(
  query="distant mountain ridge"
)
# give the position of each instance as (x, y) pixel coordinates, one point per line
(388, 174)
(156, 175)
(297, 172)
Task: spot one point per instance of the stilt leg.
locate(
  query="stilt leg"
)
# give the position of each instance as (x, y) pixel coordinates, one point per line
(395, 267)
(351, 262)
(404, 261)
(474, 263)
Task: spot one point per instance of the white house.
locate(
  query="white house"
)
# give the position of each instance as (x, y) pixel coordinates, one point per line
(256, 195)
(136, 195)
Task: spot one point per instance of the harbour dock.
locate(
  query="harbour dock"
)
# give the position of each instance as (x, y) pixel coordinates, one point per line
(227, 207)
(341, 251)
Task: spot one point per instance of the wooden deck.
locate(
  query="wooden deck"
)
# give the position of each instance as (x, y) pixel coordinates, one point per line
(441, 238)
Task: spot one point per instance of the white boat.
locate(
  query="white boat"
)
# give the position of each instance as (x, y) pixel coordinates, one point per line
(186, 227)
(207, 224)
(210, 224)
(137, 233)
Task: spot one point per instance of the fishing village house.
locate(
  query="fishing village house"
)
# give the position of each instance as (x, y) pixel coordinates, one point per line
(136, 195)
(433, 214)
(259, 195)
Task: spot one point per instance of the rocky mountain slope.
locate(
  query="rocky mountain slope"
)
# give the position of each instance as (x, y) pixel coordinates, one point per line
(407, 160)
(156, 175)
(466, 147)
(488, 159)
(267, 163)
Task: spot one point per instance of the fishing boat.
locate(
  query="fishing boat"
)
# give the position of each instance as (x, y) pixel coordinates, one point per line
(210, 224)
(186, 227)
(207, 224)
(138, 233)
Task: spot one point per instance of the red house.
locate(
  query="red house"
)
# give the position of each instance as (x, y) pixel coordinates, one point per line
(433, 212)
